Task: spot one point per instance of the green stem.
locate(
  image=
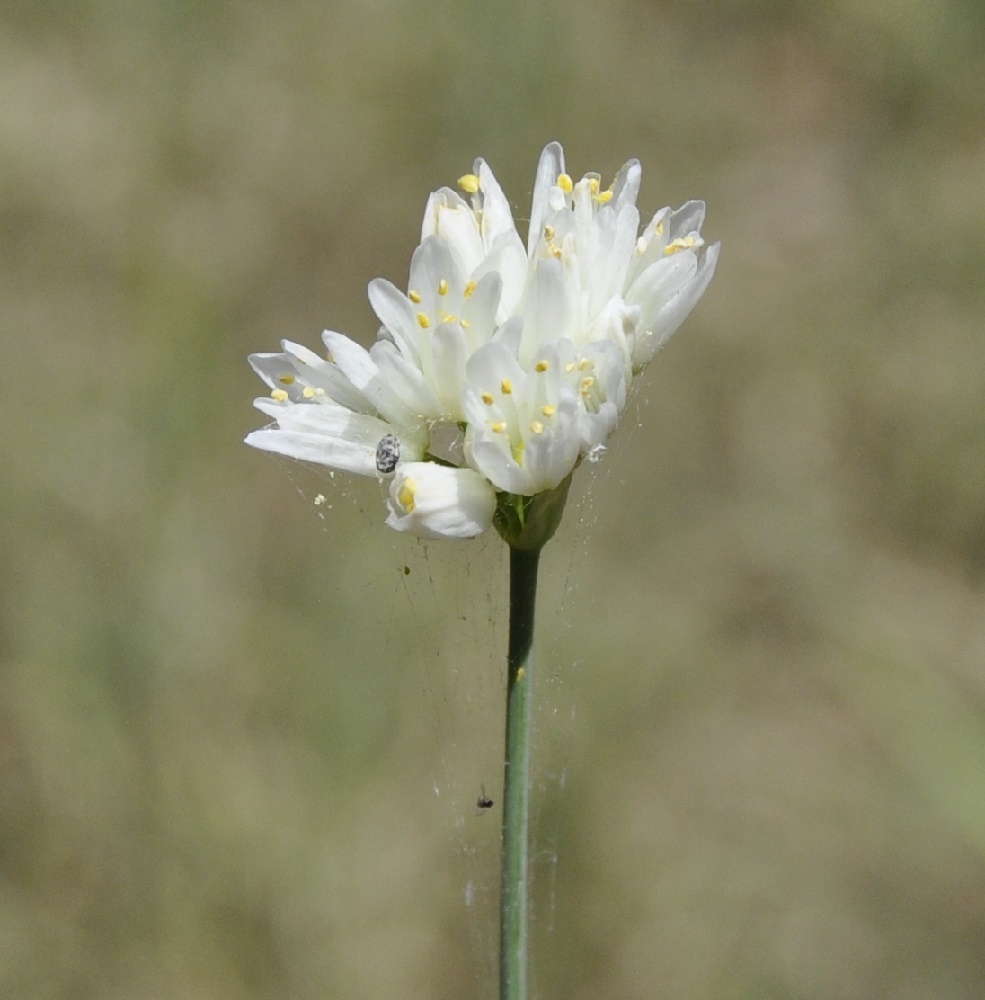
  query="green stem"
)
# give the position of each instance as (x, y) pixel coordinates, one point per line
(516, 783)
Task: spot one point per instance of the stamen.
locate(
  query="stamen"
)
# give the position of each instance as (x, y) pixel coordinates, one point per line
(605, 196)
(549, 233)
(442, 287)
(414, 297)
(681, 243)
(537, 427)
(548, 410)
(640, 247)
(487, 398)
(469, 289)
(586, 384)
(541, 366)
(499, 427)
(565, 183)
(280, 395)
(307, 392)
(469, 183)
(405, 495)
(422, 319)
(285, 379)
(506, 387)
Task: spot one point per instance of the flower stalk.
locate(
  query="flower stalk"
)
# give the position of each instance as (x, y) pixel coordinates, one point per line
(516, 781)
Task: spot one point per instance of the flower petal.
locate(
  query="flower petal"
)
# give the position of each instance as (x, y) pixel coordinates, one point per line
(434, 501)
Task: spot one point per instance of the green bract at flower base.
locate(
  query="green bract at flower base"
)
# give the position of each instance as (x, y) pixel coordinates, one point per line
(530, 522)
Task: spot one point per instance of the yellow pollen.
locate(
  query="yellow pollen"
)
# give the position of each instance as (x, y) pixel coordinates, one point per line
(499, 427)
(423, 320)
(285, 379)
(541, 366)
(442, 287)
(548, 410)
(487, 398)
(520, 674)
(570, 366)
(593, 186)
(605, 196)
(469, 183)
(280, 395)
(565, 183)
(549, 233)
(583, 364)
(307, 392)
(414, 297)
(537, 427)
(681, 243)
(469, 289)
(586, 384)
(660, 228)
(506, 387)
(405, 495)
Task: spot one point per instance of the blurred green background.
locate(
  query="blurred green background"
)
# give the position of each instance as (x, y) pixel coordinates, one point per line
(241, 735)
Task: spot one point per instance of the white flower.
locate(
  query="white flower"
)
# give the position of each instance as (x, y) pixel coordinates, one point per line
(525, 349)
(435, 501)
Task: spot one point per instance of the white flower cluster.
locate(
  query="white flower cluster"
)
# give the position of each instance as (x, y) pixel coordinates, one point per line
(502, 366)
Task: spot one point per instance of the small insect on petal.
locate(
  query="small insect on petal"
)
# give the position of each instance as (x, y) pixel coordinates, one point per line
(387, 454)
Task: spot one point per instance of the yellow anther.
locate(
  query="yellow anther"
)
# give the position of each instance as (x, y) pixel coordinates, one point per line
(280, 395)
(605, 196)
(660, 228)
(541, 366)
(520, 674)
(549, 233)
(506, 387)
(487, 398)
(285, 379)
(565, 183)
(469, 183)
(466, 324)
(586, 384)
(307, 392)
(448, 318)
(469, 289)
(584, 364)
(537, 427)
(442, 287)
(405, 495)
(414, 297)
(593, 186)
(499, 427)
(570, 366)
(548, 410)
(422, 319)
(681, 243)
(640, 247)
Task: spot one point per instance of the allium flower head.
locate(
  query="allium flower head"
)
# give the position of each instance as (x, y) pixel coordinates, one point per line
(504, 364)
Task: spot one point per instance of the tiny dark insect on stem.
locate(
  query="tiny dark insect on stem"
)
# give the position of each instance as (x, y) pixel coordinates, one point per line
(483, 801)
